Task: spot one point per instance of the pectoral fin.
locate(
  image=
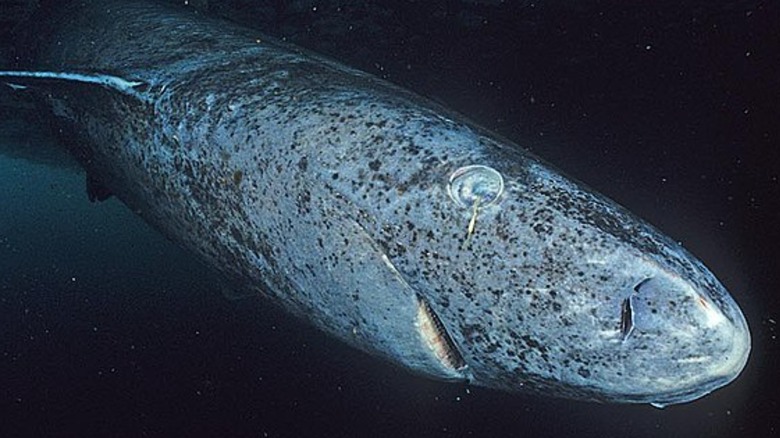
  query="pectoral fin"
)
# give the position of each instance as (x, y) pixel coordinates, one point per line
(22, 80)
(96, 191)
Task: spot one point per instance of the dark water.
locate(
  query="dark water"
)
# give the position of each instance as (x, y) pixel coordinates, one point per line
(110, 330)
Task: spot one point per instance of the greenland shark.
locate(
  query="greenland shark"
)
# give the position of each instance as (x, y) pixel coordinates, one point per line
(374, 214)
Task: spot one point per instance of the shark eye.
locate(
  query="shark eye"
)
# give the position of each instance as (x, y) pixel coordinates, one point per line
(475, 186)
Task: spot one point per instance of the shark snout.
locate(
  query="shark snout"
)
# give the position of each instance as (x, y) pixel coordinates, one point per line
(694, 340)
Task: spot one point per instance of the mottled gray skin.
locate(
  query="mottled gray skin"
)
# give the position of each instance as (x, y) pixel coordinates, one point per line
(326, 190)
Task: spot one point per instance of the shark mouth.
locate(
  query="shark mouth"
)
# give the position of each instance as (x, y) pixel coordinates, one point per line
(435, 336)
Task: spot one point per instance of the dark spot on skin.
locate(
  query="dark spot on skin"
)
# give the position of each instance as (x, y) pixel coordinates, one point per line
(187, 169)
(542, 228)
(335, 175)
(237, 177)
(584, 372)
(374, 165)
(303, 201)
(303, 164)
(236, 234)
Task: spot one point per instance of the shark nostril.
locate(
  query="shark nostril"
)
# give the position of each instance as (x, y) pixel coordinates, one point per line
(639, 285)
(627, 313)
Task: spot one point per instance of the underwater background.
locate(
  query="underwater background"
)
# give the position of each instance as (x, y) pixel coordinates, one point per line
(670, 108)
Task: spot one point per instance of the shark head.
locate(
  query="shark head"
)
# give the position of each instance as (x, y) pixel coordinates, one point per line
(529, 281)
(548, 287)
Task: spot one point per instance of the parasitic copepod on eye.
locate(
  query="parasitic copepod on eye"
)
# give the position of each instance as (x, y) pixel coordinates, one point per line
(475, 187)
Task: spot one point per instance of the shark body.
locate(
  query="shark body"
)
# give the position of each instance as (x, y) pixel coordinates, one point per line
(375, 215)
